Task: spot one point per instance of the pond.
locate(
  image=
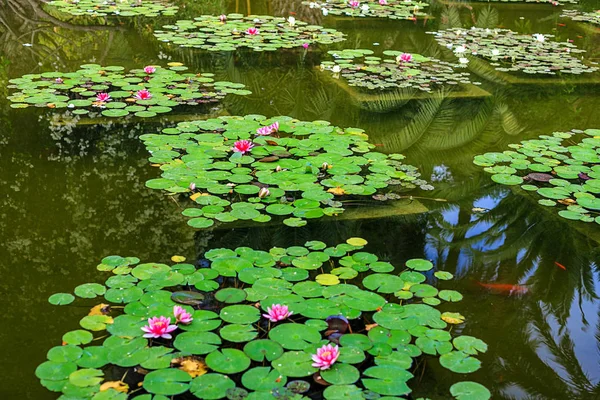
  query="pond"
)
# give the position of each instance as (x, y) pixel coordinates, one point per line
(82, 180)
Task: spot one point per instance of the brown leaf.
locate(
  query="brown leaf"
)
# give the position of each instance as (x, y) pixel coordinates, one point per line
(269, 159)
(100, 309)
(272, 142)
(119, 386)
(566, 202)
(193, 365)
(368, 327)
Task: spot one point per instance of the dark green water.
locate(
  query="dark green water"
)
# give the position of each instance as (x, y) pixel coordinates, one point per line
(72, 193)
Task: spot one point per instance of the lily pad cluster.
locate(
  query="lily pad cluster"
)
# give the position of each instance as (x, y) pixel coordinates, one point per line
(509, 51)
(392, 9)
(553, 2)
(592, 17)
(123, 8)
(113, 92)
(563, 168)
(257, 32)
(361, 69)
(305, 170)
(374, 320)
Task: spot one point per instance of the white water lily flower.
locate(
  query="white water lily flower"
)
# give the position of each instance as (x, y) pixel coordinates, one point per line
(364, 7)
(325, 12)
(539, 37)
(312, 5)
(336, 69)
(292, 21)
(449, 45)
(460, 49)
(463, 60)
(495, 52)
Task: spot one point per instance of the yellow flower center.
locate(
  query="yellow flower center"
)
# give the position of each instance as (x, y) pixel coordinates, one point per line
(326, 354)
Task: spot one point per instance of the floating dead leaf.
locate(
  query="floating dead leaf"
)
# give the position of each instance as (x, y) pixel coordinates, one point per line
(195, 196)
(141, 371)
(271, 142)
(119, 386)
(453, 318)
(100, 309)
(566, 202)
(178, 259)
(269, 159)
(368, 327)
(538, 177)
(193, 365)
(155, 165)
(174, 64)
(337, 191)
(51, 105)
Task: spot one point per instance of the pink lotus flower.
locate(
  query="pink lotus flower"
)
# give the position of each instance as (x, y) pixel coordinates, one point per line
(159, 327)
(326, 356)
(383, 2)
(277, 312)
(354, 3)
(222, 17)
(305, 45)
(264, 131)
(149, 69)
(242, 146)
(405, 57)
(252, 31)
(102, 97)
(143, 94)
(182, 316)
(274, 126)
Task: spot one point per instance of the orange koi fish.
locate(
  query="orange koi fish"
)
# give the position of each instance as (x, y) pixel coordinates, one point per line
(504, 287)
(559, 265)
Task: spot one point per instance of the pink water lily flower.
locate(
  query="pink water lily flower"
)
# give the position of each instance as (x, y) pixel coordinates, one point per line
(102, 97)
(274, 126)
(326, 356)
(182, 316)
(143, 94)
(159, 327)
(242, 146)
(277, 312)
(354, 3)
(262, 193)
(406, 57)
(252, 31)
(264, 131)
(305, 45)
(383, 2)
(58, 80)
(222, 17)
(149, 69)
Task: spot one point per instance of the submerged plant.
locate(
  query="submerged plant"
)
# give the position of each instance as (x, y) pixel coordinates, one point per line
(257, 32)
(402, 70)
(393, 9)
(509, 51)
(143, 92)
(301, 170)
(355, 327)
(122, 8)
(563, 168)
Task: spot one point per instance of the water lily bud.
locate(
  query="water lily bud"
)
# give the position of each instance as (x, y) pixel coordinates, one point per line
(223, 18)
(278, 169)
(324, 166)
(192, 186)
(292, 21)
(264, 192)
